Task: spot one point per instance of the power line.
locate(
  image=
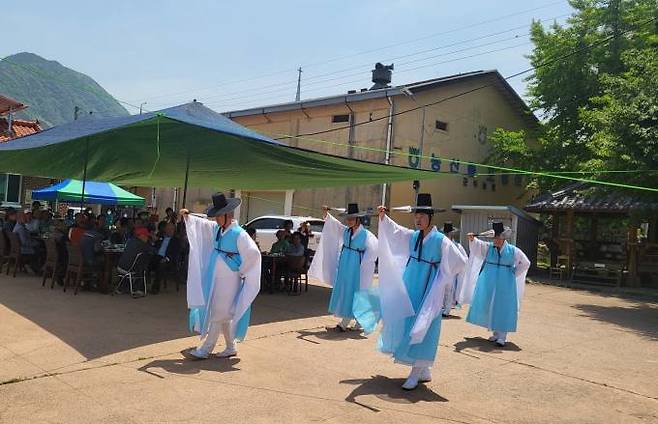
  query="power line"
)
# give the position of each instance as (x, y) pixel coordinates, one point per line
(397, 73)
(368, 64)
(547, 62)
(360, 53)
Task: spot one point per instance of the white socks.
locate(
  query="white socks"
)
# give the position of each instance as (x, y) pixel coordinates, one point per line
(210, 342)
(228, 337)
(345, 323)
(500, 337)
(417, 374)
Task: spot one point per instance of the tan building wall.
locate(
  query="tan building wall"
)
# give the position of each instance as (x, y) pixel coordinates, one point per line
(470, 119)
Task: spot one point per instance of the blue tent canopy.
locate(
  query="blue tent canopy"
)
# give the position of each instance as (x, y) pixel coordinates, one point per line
(95, 193)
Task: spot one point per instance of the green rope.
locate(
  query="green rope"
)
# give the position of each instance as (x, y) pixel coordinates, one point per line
(627, 171)
(463, 162)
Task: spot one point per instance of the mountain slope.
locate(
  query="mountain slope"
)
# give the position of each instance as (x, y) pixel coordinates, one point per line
(52, 91)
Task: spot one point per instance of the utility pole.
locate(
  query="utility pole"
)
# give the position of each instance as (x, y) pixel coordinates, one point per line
(141, 105)
(299, 84)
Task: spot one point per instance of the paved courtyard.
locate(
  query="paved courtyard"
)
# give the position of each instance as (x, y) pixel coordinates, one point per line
(580, 357)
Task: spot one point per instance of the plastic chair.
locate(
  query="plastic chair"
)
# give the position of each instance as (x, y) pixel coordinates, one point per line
(296, 273)
(76, 266)
(51, 267)
(15, 255)
(136, 272)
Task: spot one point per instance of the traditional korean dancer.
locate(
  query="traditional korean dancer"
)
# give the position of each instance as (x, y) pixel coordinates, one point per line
(223, 276)
(494, 282)
(345, 259)
(415, 266)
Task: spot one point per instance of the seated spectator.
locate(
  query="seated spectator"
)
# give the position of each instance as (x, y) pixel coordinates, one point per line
(76, 232)
(31, 222)
(305, 231)
(161, 229)
(91, 247)
(36, 208)
(60, 235)
(170, 216)
(123, 232)
(45, 221)
(10, 220)
(135, 246)
(69, 220)
(296, 248)
(169, 249)
(32, 251)
(287, 227)
(281, 244)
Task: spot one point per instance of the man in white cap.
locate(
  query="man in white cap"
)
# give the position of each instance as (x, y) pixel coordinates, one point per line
(450, 298)
(494, 282)
(415, 266)
(223, 276)
(345, 259)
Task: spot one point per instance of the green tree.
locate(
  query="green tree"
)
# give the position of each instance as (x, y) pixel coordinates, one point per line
(584, 72)
(623, 120)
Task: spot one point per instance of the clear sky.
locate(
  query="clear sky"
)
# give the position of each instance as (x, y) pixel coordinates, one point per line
(232, 55)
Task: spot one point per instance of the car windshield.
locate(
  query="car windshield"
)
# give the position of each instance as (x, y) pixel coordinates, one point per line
(316, 226)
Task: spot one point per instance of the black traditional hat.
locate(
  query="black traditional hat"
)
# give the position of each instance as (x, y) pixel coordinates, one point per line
(353, 211)
(424, 204)
(498, 229)
(222, 205)
(448, 228)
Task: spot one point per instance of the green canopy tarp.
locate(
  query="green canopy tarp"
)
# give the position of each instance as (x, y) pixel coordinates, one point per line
(95, 193)
(156, 149)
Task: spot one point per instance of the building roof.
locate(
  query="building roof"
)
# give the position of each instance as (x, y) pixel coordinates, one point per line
(20, 128)
(508, 208)
(586, 198)
(404, 89)
(7, 104)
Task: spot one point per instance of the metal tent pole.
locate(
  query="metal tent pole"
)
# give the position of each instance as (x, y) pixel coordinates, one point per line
(84, 175)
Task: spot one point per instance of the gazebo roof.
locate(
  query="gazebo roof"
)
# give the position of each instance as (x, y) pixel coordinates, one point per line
(585, 198)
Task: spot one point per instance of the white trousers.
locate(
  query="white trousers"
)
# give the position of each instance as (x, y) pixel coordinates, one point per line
(500, 335)
(216, 328)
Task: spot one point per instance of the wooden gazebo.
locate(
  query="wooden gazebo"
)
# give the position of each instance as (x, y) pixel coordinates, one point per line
(604, 236)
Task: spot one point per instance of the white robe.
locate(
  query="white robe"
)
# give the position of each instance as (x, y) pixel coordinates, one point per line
(478, 252)
(232, 292)
(325, 260)
(394, 243)
(452, 290)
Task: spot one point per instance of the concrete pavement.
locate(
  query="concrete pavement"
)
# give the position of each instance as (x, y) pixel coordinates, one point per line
(579, 357)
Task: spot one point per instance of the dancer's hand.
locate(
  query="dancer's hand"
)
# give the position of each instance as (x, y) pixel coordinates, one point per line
(382, 212)
(184, 213)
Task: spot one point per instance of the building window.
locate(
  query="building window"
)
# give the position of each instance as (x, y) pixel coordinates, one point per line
(340, 118)
(10, 188)
(440, 125)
